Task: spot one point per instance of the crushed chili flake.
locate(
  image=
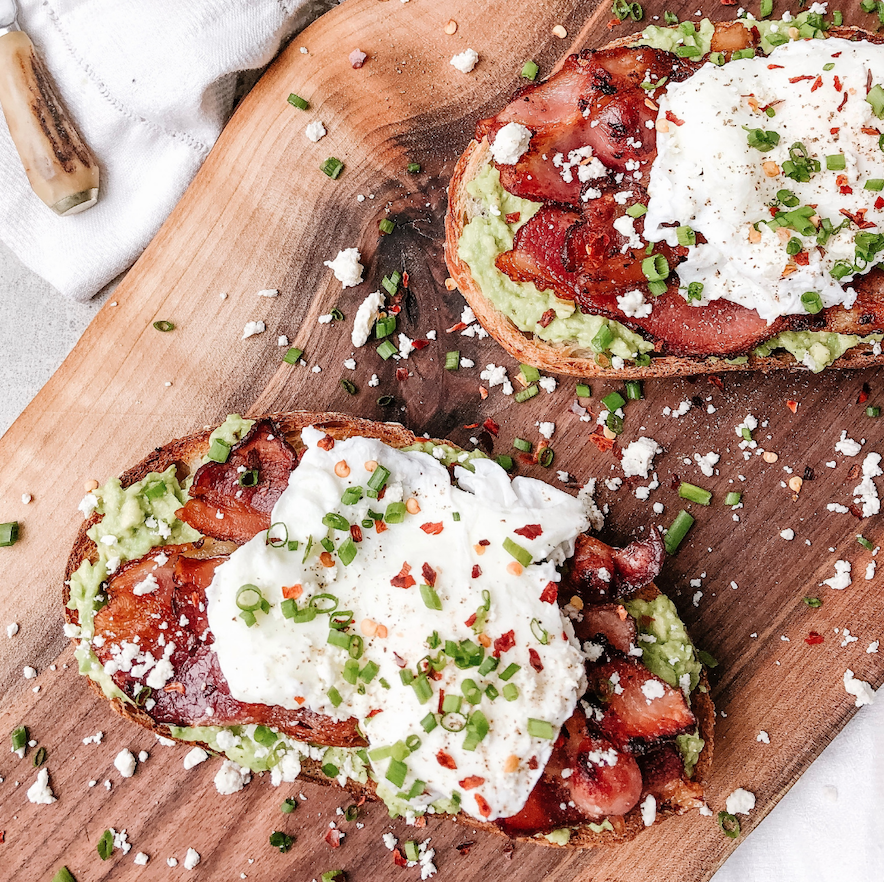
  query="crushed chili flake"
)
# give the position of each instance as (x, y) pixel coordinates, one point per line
(864, 394)
(792, 405)
(471, 782)
(458, 327)
(432, 529)
(835, 130)
(299, 699)
(374, 713)
(546, 318)
(503, 643)
(471, 621)
(464, 847)
(326, 442)
(838, 85)
(484, 542)
(395, 309)
(868, 130)
(858, 218)
(399, 858)
(550, 593)
(380, 526)
(855, 511)
(420, 344)
(813, 639)
(472, 426)
(174, 687)
(532, 763)
(401, 374)
(513, 217)
(534, 659)
(405, 279)
(816, 84)
(843, 186)
(484, 808)
(420, 821)
(292, 592)
(429, 574)
(529, 531)
(802, 258)
(402, 579)
(674, 119)
(490, 426)
(477, 571)
(799, 79)
(879, 203)
(446, 760)
(483, 392)
(840, 107)
(601, 442)
(774, 66)
(356, 532)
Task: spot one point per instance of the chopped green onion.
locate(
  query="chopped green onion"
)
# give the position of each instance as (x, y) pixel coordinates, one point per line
(105, 847)
(281, 840)
(706, 659)
(332, 167)
(876, 184)
(737, 54)
(288, 805)
(249, 618)
(761, 140)
(327, 544)
(384, 326)
(522, 555)
(583, 390)
(352, 495)
(429, 722)
(338, 637)
(336, 521)
(219, 450)
(298, 101)
(324, 603)
(693, 493)
(248, 478)
(369, 672)
(396, 772)
(813, 602)
(836, 162)
(637, 210)
(864, 542)
(430, 597)
(729, 824)
(837, 19)
(541, 729)
(686, 236)
(453, 721)
(335, 875)
(451, 704)
(19, 738)
(491, 691)
(471, 691)
(349, 387)
(717, 58)
(249, 598)
(452, 360)
(655, 268)
(488, 665)
(670, 18)
(292, 355)
(873, 411)
(634, 390)
(274, 540)
(676, 533)
(540, 633)
(604, 337)
(395, 513)
(455, 515)
(546, 457)
(509, 671)
(524, 394)
(530, 70)
(164, 326)
(765, 8)
(410, 849)
(505, 462)
(347, 551)
(386, 400)
(341, 620)
(64, 875)
(529, 372)
(423, 691)
(334, 697)
(793, 246)
(613, 401)
(687, 51)
(812, 302)
(378, 479)
(733, 498)
(522, 444)
(264, 736)
(8, 534)
(386, 226)
(876, 99)
(413, 168)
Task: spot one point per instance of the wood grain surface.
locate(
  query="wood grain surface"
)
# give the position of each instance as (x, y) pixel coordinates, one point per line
(261, 215)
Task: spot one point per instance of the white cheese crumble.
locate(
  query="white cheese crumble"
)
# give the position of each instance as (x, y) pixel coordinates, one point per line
(191, 859)
(40, 792)
(632, 304)
(315, 131)
(124, 763)
(365, 318)
(346, 267)
(252, 329)
(146, 586)
(865, 493)
(12, 629)
(740, 802)
(510, 143)
(841, 579)
(649, 810)
(269, 292)
(465, 61)
(788, 534)
(707, 463)
(847, 446)
(141, 859)
(860, 689)
(194, 758)
(762, 737)
(546, 429)
(231, 778)
(496, 375)
(638, 457)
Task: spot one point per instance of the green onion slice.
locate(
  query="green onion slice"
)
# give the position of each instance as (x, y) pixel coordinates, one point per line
(249, 597)
(164, 326)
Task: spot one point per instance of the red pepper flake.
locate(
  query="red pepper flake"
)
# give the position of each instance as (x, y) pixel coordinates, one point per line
(395, 309)
(868, 130)
(477, 571)
(838, 85)
(464, 847)
(602, 442)
(399, 858)
(429, 574)
(380, 526)
(774, 66)
(513, 217)
(836, 55)
(472, 426)
(300, 700)
(326, 442)
(374, 713)
(863, 396)
(484, 542)
(613, 22)
(843, 186)
(856, 511)
(792, 405)
(356, 532)
(879, 203)
(334, 837)
(174, 687)
(446, 760)
(813, 639)
(2, 836)
(420, 344)
(799, 79)
(503, 643)
(835, 130)
(717, 382)
(529, 531)
(401, 373)
(816, 84)
(402, 579)
(802, 258)
(484, 808)
(420, 821)
(550, 593)
(483, 393)
(859, 218)
(405, 279)
(471, 621)
(458, 327)
(546, 318)
(773, 210)
(491, 427)
(432, 529)
(840, 107)
(534, 659)
(471, 782)
(674, 119)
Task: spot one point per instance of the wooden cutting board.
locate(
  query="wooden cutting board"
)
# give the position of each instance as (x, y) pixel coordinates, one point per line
(261, 215)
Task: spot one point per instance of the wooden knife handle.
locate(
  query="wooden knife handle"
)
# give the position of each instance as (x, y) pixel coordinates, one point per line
(59, 164)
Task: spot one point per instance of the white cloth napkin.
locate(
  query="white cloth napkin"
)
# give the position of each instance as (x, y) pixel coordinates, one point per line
(150, 83)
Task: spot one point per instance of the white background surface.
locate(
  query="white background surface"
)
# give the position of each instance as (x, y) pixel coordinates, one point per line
(828, 828)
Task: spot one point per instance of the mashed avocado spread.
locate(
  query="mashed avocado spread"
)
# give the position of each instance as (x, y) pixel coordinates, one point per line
(140, 517)
(488, 234)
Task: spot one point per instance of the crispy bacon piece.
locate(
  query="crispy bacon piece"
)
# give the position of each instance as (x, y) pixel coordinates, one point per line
(664, 777)
(638, 709)
(529, 531)
(611, 621)
(639, 562)
(179, 601)
(221, 507)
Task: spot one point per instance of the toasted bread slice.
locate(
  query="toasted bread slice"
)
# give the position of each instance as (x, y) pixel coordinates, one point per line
(187, 453)
(570, 359)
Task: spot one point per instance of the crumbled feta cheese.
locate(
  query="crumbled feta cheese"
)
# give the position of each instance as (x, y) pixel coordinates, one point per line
(125, 763)
(346, 267)
(282, 340)
(841, 579)
(848, 446)
(707, 463)
(94, 739)
(365, 318)
(870, 570)
(563, 476)
(26, 498)
(762, 737)
(788, 534)
(649, 810)
(406, 346)
(740, 802)
(12, 628)
(374, 381)
(88, 504)
(638, 456)
(872, 647)
(252, 329)
(865, 493)
(141, 859)
(860, 689)
(548, 384)
(269, 292)
(465, 61)
(191, 859)
(29, 673)
(350, 364)
(146, 586)
(231, 778)
(652, 689)
(510, 143)
(194, 758)
(586, 497)
(632, 304)
(389, 840)
(496, 375)
(546, 429)
(40, 792)
(315, 131)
